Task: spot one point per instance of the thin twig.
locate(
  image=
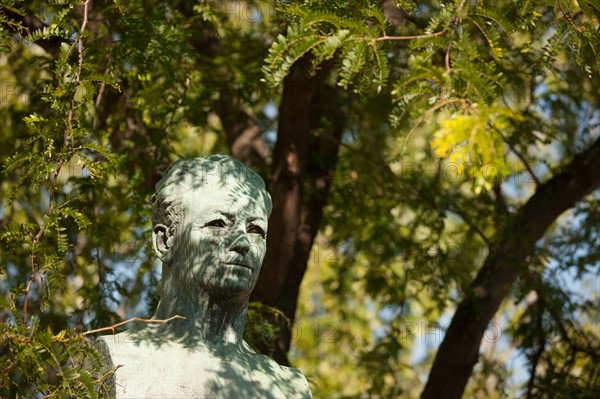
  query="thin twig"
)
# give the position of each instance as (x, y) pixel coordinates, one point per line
(429, 112)
(51, 394)
(80, 39)
(471, 224)
(114, 326)
(580, 30)
(59, 164)
(99, 97)
(569, 19)
(27, 289)
(38, 237)
(452, 22)
(404, 38)
(111, 371)
(77, 80)
(447, 57)
(186, 86)
(518, 154)
(500, 201)
(537, 356)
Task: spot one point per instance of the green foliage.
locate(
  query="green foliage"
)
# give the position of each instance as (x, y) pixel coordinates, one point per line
(93, 110)
(476, 138)
(476, 107)
(557, 325)
(39, 361)
(35, 360)
(448, 113)
(462, 35)
(323, 35)
(259, 333)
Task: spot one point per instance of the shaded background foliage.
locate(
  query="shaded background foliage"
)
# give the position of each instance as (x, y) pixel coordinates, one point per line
(420, 157)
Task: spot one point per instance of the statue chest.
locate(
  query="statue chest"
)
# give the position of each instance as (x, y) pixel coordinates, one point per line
(151, 371)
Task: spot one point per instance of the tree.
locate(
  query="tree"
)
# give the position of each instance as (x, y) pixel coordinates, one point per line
(435, 146)
(467, 69)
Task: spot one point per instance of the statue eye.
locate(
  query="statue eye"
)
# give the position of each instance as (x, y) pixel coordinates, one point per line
(255, 229)
(216, 223)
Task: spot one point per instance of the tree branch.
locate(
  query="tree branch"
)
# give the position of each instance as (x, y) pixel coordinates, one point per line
(540, 334)
(109, 372)
(404, 38)
(471, 224)
(39, 235)
(114, 326)
(518, 154)
(458, 352)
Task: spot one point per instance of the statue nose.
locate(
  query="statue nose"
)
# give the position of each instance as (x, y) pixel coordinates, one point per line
(241, 244)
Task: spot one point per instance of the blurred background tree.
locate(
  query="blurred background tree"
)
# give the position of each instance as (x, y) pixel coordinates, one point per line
(434, 168)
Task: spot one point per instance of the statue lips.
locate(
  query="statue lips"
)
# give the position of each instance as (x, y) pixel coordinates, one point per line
(240, 262)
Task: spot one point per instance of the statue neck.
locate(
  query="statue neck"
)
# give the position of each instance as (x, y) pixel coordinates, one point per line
(209, 318)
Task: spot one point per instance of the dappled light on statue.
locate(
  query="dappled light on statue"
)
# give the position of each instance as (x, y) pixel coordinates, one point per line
(210, 218)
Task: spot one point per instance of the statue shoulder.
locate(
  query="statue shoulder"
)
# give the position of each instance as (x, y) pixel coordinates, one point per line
(295, 383)
(298, 381)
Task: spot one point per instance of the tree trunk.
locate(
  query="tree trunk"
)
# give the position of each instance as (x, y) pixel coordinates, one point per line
(320, 166)
(302, 167)
(244, 137)
(459, 350)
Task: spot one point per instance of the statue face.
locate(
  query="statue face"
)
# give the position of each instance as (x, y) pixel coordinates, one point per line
(222, 242)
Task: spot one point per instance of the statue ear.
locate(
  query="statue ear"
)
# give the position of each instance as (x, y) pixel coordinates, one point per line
(162, 240)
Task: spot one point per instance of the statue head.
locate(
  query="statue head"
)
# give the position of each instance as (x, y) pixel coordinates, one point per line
(209, 225)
